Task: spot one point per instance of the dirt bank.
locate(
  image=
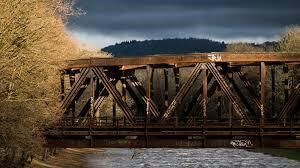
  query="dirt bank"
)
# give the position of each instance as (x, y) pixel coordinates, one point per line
(69, 157)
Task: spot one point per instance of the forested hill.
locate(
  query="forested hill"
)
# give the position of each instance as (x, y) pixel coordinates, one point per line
(165, 46)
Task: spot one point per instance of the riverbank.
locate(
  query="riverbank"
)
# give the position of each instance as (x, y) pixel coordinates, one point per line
(293, 154)
(68, 157)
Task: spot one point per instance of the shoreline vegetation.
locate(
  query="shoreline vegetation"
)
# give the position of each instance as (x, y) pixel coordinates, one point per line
(293, 154)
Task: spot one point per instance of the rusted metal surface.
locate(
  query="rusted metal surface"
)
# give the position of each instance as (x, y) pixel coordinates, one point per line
(75, 89)
(262, 91)
(186, 58)
(142, 95)
(249, 86)
(291, 102)
(228, 92)
(110, 87)
(182, 92)
(165, 135)
(217, 112)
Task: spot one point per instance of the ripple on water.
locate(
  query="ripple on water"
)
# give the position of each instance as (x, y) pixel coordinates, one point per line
(164, 158)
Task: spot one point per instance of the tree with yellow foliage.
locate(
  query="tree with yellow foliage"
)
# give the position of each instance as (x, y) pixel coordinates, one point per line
(290, 40)
(33, 46)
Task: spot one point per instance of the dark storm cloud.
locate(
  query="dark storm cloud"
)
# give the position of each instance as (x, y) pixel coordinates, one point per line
(185, 18)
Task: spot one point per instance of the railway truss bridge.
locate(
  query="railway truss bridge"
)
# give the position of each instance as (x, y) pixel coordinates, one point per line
(188, 100)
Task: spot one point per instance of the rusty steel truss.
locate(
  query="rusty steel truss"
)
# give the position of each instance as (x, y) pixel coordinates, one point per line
(222, 99)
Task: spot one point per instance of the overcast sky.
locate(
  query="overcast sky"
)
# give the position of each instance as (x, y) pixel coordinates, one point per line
(109, 21)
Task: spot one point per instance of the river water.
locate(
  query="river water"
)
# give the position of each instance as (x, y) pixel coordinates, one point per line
(204, 157)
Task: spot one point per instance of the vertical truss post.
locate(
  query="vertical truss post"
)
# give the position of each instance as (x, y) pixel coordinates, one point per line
(177, 86)
(204, 93)
(114, 112)
(96, 96)
(262, 90)
(218, 93)
(177, 78)
(72, 105)
(262, 98)
(149, 86)
(286, 86)
(123, 81)
(166, 93)
(92, 82)
(123, 88)
(151, 83)
(204, 108)
(62, 85)
(286, 82)
(273, 89)
(97, 88)
(230, 109)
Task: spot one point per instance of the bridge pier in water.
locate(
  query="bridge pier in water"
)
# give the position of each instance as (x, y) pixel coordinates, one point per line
(209, 100)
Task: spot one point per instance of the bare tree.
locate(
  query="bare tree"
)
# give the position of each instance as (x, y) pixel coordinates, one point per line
(33, 47)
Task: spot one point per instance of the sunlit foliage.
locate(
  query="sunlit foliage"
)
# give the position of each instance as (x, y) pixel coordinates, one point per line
(33, 46)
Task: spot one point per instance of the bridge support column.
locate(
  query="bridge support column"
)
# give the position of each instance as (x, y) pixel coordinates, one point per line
(92, 109)
(123, 79)
(230, 108)
(177, 78)
(149, 89)
(166, 93)
(273, 90)
(114, 113)
(177, 83)
(262, 99)
(286, 86)
(205, 99)
(62, 85)
(149, 86)
(286, 82)
(72, 106)
(220, 102)
(204, 93)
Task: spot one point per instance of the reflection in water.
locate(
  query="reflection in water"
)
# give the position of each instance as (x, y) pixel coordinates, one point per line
(208, 157)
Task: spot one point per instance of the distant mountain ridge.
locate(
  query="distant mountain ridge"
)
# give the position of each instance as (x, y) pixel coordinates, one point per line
(167, 46)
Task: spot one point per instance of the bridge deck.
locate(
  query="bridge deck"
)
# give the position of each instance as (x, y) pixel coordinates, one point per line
(173, 59)
(210, 134)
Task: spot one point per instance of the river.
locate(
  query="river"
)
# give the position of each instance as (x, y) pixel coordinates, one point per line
(204, 157)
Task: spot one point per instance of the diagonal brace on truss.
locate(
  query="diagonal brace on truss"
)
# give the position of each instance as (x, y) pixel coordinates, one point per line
(247, 84)
(74, 89)
(197, 96)
(239, 109)
(114, 92)
(199, 101)
(242, 97)
(141, 91)
(182, 92)
(98, 102)
(288, 107)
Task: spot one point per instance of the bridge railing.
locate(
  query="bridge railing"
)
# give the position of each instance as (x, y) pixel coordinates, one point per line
(106, 122)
